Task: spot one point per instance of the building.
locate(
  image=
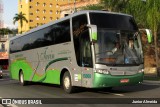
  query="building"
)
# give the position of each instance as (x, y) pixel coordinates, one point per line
(39, 12)
(70, 8)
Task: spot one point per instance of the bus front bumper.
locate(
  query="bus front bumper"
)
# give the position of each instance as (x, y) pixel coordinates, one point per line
(102, 80)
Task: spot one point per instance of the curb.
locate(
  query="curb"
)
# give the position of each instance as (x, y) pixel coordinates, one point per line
(151, 82)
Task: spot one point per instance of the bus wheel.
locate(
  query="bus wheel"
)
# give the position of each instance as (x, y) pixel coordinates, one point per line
(21, 79)
(67, 84)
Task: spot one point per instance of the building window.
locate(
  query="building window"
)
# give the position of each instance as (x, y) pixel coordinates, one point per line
(57, 12)
(31, 13)
(37, 18)
(30, 6)
(37, 24)
(31, 20)
(44, 18)
(50, 5)
(21, 6)
(37, 3)
(51, 18)
(30, 0)
(44, 11)
(37, 11)
(50, 11)
(44, 4)
(57, 5)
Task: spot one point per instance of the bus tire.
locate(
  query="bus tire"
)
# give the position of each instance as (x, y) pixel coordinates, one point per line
(21, 79)
(66, 83)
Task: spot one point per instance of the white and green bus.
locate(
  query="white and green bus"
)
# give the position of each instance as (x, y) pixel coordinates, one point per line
(92, 49)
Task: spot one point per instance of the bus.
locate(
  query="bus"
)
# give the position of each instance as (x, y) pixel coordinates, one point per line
(92, 49)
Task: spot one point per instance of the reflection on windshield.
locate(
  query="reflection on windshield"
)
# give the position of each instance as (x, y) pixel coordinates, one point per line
(118, 48)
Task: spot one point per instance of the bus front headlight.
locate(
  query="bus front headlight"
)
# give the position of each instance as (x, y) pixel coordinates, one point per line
(141, 71)
(103, 71)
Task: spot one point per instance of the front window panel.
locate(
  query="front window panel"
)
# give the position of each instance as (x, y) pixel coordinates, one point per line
(115, 47)
(113, 21)
(118, 42)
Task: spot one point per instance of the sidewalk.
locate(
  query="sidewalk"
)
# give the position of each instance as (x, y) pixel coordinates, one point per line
(151, 82)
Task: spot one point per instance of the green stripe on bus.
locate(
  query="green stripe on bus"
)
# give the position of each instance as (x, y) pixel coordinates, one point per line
(56, 60)
(50, 76)
(21, 64)
(56, 73)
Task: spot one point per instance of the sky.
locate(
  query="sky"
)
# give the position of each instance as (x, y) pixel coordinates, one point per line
(10, 8)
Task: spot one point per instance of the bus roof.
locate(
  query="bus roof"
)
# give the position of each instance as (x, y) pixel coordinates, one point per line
(65, 18)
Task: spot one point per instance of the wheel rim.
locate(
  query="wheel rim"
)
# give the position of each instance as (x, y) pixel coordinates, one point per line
(67, 82)
(21, 78)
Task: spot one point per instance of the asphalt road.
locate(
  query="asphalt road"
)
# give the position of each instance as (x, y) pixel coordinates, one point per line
(12, 89)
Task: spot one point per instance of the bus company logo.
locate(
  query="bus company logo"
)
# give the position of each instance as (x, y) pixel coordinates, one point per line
(6, 101)
(9, 102)
(45, 56)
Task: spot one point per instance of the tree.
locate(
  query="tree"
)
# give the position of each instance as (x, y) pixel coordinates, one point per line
(153, 21)
(137, 8)
(110, 5)
(20, 17)
(93, 7)
(147, 14)
(5, 31)
(114, 5)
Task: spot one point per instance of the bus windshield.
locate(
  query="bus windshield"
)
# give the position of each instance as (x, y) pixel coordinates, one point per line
(118, 42)
(115, 47)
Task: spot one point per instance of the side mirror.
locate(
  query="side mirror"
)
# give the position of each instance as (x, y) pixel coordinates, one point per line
(148, 33)
(93, 32)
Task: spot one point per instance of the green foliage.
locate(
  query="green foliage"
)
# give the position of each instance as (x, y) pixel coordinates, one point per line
(137, 8)
(115, 5)
(20, 17)
(153, 14)
(93, 7)
(5, 31)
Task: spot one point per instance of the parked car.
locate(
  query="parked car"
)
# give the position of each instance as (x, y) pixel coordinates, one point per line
(1, 73)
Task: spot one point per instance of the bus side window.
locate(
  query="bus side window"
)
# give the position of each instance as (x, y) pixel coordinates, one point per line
(62, 32)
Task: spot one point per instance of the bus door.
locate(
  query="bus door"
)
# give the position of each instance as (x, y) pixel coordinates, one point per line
(86, 59)
(82, 50)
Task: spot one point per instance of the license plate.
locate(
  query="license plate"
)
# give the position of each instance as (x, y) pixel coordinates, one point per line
(124, 80)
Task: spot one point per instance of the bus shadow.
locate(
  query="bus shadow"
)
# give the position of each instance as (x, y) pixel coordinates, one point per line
(126, 89)
(43, 84)
(120, 90)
